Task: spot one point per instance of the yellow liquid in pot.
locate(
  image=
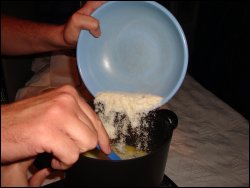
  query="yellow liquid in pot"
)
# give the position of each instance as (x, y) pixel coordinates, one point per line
(129, 152)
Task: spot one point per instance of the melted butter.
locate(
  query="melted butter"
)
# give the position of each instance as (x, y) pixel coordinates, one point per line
(128, 152)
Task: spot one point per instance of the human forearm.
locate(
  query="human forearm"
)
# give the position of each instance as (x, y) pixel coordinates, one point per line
(20, 37)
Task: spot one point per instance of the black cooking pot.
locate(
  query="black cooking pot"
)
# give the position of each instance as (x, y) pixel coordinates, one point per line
(147, 170)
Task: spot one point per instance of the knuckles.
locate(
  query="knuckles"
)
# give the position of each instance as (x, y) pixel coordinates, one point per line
(95, 24)
(68, 89)
(72, 157)
(93, 141)
(64, 101)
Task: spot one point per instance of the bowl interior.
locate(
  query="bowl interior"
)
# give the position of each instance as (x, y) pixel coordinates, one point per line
(142, 49)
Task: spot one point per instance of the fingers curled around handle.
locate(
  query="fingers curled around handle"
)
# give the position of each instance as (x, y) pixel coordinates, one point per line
(39, 177)
(87, 112)
(103, 138)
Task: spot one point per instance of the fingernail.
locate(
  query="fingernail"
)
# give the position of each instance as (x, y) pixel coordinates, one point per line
(98, 34)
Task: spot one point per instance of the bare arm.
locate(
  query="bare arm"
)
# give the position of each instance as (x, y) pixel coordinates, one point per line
(20, 37)
(24, 37)
(58, 122)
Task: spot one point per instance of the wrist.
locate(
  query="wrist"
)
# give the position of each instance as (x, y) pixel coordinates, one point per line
(56, 39)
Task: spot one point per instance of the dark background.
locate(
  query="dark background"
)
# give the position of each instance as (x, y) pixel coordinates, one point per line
(217, 33)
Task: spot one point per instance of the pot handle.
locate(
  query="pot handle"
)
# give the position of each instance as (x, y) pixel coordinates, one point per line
(171, 119)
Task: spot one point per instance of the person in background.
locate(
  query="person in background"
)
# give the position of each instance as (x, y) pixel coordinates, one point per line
(57, 121)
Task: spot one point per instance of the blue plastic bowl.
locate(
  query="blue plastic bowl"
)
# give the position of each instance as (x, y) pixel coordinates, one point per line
(142, 49)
